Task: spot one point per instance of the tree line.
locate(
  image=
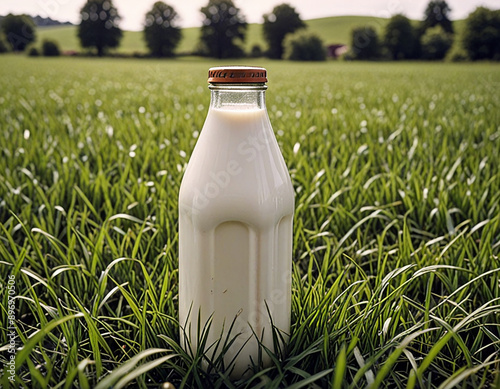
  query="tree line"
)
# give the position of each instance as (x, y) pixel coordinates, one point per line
(224, 28)
(222, 32)
(221, 35)
(433, 38)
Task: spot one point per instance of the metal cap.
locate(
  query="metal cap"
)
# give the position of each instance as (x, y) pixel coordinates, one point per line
(237, 74)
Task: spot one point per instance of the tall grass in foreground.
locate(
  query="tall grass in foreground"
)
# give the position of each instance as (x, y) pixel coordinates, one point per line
(396, 232)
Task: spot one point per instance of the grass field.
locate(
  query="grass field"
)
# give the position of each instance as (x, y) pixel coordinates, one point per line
(396, 232)
(334, 29)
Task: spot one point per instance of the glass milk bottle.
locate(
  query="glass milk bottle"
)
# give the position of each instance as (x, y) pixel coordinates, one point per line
(236, 205)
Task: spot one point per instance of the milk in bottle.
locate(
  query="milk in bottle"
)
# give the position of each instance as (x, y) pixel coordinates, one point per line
(236, 205)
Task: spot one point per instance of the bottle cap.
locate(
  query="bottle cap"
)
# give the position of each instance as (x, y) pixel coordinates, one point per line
(237, 74)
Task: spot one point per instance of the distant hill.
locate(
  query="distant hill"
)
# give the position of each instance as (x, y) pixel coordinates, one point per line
(334, 29)
(44, 22)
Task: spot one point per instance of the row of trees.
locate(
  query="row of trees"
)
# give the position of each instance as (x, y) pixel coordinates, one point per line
(433, 38)
(222, 31)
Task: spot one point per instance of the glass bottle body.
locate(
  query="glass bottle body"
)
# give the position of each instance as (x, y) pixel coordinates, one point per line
(236, 205)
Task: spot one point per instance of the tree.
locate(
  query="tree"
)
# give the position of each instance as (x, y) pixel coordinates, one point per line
(19, 31)
(365, 43)
(435, 43)
(437, 13)
(304, 47)
(32, 51)
(399, 38)
(223, 24)
(50, 48)
(4, 47)
(160, 31)
(481, 37)
(256, 51)
(281, 21)
(99, 25)
(457, 53)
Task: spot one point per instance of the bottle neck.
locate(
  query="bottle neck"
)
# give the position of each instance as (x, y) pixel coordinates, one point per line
(238, 96)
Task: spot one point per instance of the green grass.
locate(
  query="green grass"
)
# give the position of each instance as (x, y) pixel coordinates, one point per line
(66, 36)
(338, 29)
(334, 29)
(396, 264)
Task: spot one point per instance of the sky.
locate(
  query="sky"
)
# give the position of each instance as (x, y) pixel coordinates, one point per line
(133, 11)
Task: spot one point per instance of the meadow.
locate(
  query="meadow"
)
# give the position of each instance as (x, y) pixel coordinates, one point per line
(333, 29)
(396, 265)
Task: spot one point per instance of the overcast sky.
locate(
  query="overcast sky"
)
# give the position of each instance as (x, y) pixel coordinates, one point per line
(133, 11)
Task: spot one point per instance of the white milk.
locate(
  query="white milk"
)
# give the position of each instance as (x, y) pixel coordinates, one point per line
(236, 207)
